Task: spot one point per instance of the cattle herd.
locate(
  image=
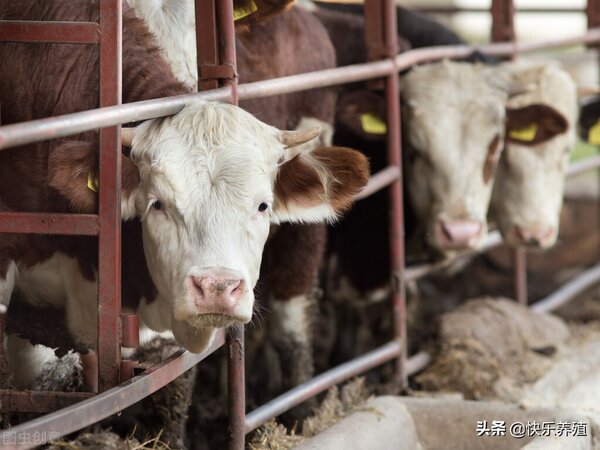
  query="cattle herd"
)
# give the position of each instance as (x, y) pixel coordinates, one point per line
(209, 191)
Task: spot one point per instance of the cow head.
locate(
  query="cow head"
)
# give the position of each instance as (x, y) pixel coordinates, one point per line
(206, 185)
(453, 119)
(540, 134)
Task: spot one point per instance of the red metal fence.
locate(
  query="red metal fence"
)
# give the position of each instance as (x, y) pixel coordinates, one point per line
(216, 62)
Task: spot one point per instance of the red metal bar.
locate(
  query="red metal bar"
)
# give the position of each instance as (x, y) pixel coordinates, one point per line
(390, 28)
(236, 381)
(502, 21)
(109, 261)
(3, 310)
(98, 407)
(226, 41)
(321, 383)
(130, 330)
(49, 223)
(593, 13)
(70, 124)
(38, 401)
(206, 42)
(520, 274)
(59, 32)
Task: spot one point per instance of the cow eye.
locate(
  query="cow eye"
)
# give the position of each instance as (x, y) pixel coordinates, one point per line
(263, 207)
(157, 205)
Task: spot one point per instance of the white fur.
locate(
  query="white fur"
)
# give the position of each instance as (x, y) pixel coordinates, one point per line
(8, 283)
(454, 111)
(172, 22)
(25, 360)
(292, 318)
(529, 185)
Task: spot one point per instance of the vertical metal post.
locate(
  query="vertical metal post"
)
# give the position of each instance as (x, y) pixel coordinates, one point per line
(502, 31)
(206, 42)
(503, 21)
(109, 271)
(520, 274)
(236, 387)
(382, 41)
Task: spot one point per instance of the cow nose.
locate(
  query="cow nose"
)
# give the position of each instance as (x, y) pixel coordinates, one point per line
(458, 234)
(536, 236)
(217, 293)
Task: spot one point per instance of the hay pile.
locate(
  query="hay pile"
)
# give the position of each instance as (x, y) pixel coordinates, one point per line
(336, 405)
(105, 440)
(488, 346)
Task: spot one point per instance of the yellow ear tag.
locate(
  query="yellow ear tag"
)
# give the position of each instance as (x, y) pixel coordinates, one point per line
(92, 183)
(526, 134)
(372, 124)
(245, 10)
(594, 134)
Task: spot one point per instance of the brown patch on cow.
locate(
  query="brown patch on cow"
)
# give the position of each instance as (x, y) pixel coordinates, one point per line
(337, 175)
(549, 123)
(491, 159)
(289, 277)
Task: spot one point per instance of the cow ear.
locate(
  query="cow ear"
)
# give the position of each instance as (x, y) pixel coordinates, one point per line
(589, 120)
(73, 172)
(246, 12)
(318, 185)
(361, 113)
(534, 124)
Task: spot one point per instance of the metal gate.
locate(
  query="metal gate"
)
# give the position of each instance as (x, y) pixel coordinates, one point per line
(217, 72)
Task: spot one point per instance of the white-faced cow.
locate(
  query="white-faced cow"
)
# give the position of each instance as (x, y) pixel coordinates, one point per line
(269, 45)
(528, 191)
(200, 189)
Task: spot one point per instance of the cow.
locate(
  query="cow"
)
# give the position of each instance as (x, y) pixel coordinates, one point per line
(540, 135)
(298, 43)
(199, 189)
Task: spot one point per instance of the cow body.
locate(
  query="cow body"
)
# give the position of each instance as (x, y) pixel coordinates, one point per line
(200, 189)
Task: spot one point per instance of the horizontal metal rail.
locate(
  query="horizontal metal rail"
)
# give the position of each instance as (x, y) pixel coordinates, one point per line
(585, 165)
(378, 181)
(569, 290)
(321, 383)
(36, 401)
(53, 32)
(492, 240)
(101, 406)
(60, 126)
(330, 378)
(432, 9)
(49, 223)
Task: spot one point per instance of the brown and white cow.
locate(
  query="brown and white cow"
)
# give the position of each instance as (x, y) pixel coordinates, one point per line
(269, 45)
(200, 189)
(528, 191)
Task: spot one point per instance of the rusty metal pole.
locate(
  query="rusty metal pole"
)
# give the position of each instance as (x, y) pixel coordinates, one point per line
(109, 240)
(381, 35)
(503, 21)
(503, 31)
(236, 382)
